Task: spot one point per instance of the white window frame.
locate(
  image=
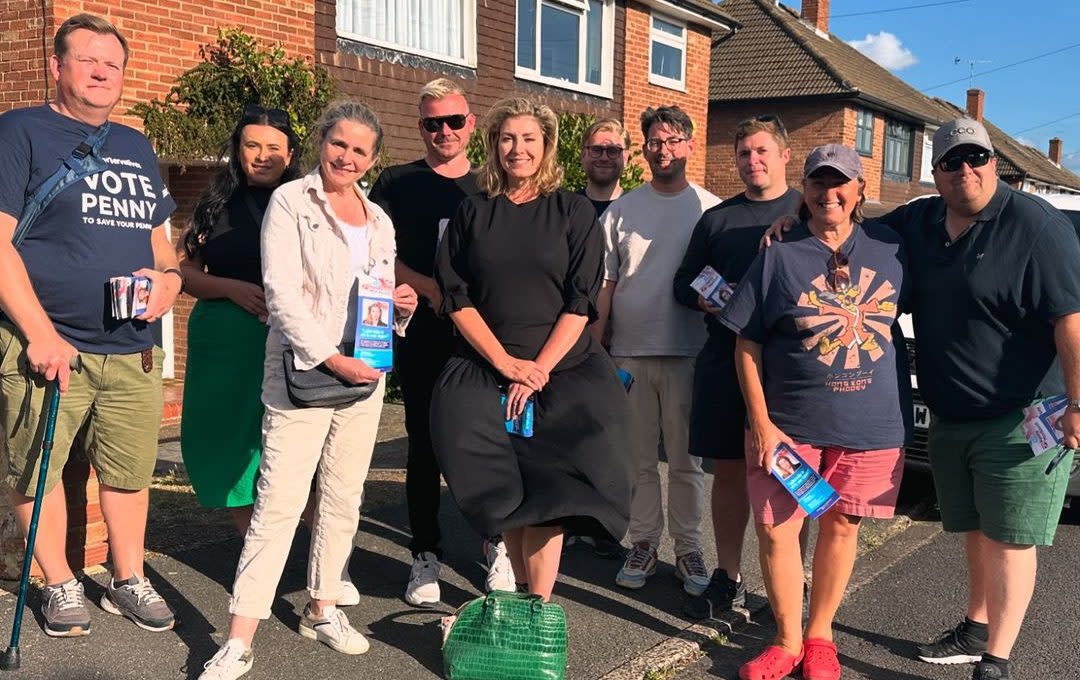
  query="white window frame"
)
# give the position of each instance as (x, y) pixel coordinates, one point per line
(926, 168)
(468, 30)
(607, 51)
(656, 35)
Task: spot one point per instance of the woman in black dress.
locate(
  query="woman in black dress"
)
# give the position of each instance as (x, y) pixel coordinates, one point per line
(519, 269)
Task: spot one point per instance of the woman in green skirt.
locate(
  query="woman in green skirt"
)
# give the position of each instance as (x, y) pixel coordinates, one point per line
(221, 427)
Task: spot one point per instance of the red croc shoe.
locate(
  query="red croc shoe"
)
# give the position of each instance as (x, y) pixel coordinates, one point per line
(819, 660)
(772, 664)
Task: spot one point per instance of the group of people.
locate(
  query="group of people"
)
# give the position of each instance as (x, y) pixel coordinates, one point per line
(509, 293)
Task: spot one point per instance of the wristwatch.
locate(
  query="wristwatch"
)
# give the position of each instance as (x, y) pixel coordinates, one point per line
(1073, 404)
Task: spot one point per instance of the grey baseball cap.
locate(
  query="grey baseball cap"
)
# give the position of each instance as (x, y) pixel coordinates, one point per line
(841, 158)
(957, 133)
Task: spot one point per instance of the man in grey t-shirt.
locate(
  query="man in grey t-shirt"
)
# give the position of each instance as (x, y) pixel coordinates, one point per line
(655, 339)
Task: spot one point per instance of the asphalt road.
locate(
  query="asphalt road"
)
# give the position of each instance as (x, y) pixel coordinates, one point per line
(921, 592)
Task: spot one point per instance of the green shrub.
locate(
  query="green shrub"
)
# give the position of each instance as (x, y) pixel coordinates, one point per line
(196, 117)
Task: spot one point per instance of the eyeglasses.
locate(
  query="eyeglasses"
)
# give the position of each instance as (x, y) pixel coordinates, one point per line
(601, 150)
(454, 122)
(839, 275)
(671, 143)
(974, 159)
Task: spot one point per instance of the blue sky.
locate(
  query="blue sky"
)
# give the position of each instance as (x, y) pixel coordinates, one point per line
(921, 45)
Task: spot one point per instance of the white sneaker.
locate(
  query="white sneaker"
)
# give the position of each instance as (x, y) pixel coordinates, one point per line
(230, 662)
(333, 630)
(350, 596)
(423, 586)
(690, 569)
(640, 564)
(500, 575)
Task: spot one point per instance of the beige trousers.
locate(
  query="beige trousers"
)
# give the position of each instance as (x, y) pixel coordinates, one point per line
(660, 403)
(338, 443)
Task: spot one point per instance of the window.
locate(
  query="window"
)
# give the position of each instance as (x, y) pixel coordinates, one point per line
(898, 143)
(667, 53)
(567, 43)
(864, 132)
(925, 171)
(440, 29)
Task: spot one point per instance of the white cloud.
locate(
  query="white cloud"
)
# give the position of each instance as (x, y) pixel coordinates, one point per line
(886, 49)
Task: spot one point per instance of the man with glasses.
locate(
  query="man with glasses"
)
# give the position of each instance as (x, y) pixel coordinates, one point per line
(996, 297)
(654, 339)
(726, 239)
(54, 308)
(605, 148)
(421, 198)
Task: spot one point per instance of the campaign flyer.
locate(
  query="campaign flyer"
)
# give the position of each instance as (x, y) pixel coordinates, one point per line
(713, 287)
(521, 425)
(802, 481)
(1040, 423)
(374, 342)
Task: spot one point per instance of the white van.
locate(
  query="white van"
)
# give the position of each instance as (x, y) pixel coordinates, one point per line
(916, 452)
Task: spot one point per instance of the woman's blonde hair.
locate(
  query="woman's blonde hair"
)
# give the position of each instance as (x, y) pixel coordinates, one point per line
(492, 177)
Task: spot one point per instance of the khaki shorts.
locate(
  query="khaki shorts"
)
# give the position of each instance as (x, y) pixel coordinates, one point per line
(118, 402)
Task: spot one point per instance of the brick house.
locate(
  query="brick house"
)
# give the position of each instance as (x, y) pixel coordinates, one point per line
(600, 57)
(786, 63)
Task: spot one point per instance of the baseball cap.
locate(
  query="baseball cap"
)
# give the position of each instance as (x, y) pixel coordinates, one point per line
(957, 133)
(836, 156)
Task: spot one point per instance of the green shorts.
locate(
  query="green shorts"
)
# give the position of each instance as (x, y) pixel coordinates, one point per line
(118, 402)
(987, 479)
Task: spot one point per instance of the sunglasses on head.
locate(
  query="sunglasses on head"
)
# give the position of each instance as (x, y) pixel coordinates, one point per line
(600, 150)
(435, 123)
(839, 275)
(974, 159)
(271, 114)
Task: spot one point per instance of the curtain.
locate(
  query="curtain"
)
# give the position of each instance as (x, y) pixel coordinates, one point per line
(434, 26)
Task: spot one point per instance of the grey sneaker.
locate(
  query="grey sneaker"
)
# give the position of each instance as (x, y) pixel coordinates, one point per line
(500, 574)
(230, 662)
(640, 564)
(136, 599)
(690, 569)
(334, 631)
(64, 609)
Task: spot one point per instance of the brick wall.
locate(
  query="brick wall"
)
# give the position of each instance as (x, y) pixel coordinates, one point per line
(809, 123)
(22, 78)
(640, 93)
(390, 81)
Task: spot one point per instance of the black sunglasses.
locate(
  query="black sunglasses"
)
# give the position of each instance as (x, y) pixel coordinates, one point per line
(974, 159)
(769, 119)
(839, 276)
(271, 114)
(454, 122)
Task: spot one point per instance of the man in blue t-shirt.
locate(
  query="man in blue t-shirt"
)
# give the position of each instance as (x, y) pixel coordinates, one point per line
(55, 311)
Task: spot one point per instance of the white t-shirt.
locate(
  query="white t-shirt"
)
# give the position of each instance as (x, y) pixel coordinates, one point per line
(359, 253)
(645, 237)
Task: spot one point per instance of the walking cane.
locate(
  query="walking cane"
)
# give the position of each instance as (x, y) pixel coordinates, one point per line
(10, 660)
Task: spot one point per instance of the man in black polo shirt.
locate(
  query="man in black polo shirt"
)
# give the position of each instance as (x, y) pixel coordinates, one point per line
(996, 296)
(421, 198)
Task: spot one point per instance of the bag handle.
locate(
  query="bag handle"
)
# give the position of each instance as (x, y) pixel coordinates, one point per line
(74, 168)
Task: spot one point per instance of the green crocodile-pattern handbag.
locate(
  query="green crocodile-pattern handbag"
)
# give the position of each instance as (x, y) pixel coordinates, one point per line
(506, 636)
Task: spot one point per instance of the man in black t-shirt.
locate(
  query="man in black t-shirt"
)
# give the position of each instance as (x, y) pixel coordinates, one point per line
(421, 198)
(995, 297)
(605, 148)
(726, 238)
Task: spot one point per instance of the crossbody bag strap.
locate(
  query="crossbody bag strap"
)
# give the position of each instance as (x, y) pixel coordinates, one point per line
(83, 161)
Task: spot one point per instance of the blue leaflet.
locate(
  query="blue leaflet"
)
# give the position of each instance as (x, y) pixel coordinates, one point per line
(522, 425)
(802, 481)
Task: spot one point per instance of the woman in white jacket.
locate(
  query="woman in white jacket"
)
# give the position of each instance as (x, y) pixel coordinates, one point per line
(322, 241)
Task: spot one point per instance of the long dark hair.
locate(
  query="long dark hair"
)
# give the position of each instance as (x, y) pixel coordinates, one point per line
(231, 179)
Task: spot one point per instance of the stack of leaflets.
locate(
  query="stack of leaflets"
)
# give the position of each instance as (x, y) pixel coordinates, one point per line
(521, 425)
(802, 481)
(374, 342)
(128, 296)
(713, 287)
(1040, 423)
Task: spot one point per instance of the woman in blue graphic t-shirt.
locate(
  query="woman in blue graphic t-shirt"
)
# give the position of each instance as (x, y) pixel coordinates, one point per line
(818, 369)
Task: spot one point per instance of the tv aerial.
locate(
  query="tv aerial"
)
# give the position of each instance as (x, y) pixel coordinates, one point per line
(971, 67)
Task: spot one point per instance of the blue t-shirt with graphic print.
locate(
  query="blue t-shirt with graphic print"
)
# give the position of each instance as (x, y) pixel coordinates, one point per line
(95, 229)
(828, 357)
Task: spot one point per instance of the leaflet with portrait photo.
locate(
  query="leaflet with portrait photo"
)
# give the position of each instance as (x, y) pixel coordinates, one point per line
(802, 481)
(374, 341)
(1040, 423)
(713, 287)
